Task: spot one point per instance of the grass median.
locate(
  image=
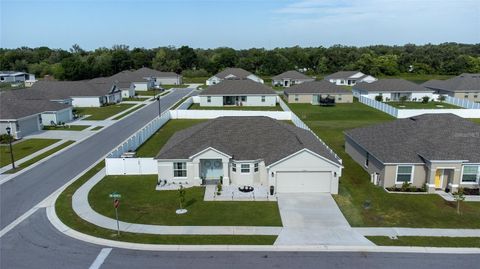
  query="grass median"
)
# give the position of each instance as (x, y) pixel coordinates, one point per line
(427, 241)
(23, 148)
(102, 113)
(128, 112)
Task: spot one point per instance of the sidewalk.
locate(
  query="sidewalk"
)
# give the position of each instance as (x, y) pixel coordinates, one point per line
(82, 208)
(434, 232)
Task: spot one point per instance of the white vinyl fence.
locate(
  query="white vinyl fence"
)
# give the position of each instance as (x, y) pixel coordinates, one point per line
(378, 105)
(462, 102)
(282, 104)
(131, 166)
(212, 114)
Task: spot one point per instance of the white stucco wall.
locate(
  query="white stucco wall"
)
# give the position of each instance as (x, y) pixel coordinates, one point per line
(214, 101)
(252, 100)
(141, 86)
(169, 81)
(22, 127)
(86, 101)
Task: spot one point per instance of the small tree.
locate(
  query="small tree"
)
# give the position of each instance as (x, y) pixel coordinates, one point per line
(219, 188)
(459, 196)
(181, 196)
(403, 99)
(442, 98)
(379, 98)
(425, 99)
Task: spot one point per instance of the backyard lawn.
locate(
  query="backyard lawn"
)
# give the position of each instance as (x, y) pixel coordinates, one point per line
(141, 203)
(476, 120)
(257, 108)
(23, 149)
(420, 105)
(152, 146)
(66, 128)
(400, 210)
(101, 113)
(421, 241)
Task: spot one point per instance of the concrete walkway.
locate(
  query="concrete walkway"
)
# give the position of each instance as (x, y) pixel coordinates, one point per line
(315, 219)
(434, 232)
(82, 208)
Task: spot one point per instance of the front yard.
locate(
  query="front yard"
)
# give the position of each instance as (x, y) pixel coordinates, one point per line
(253, 108)
(102, 113)
(400, 210)
(141, 203)
(420, 105)
(23, 149)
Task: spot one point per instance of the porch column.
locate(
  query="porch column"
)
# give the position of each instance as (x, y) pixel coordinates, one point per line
(431, 179)
(196, 174)
(226, 174)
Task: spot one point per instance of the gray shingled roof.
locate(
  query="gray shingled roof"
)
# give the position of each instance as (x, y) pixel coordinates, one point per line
(292, 74)
(239, 73)
(391, 85)
(463, 83)
(148, 72)
(343, 75)
(17, 104)
(238, 87)
(53, 90)
(317, 87)
(428, 136)
(244, 138)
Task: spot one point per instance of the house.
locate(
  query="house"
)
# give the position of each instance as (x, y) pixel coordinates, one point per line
(250, 151)
(312, 92)
(238, 93)
(232, 74)
(465, 86)
(393, 89)
(129, 81)
(126, 88)
(349, 78)
(439, 150)
(15, 77)
(290, 78)
(24, 113)
(160, 78)
(79, 93)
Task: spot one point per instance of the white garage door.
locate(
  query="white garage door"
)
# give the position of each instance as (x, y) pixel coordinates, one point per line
(294, 182)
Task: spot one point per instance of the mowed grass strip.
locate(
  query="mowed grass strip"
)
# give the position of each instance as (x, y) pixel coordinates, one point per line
(392, 210)
(141, 203)
(136, 99)
(420, 105)
(426, 241)
(252, 108)
(39, 157)
(64, 210)
(128, 112)
(104, 112)
(97, 128)
(66, 128)
(23, 149)
(152, 146)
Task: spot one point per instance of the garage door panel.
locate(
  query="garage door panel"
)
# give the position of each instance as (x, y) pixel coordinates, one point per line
(297, 182)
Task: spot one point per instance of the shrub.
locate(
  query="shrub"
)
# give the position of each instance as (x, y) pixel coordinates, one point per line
(442, 98)
(405, 186)
(403, 99)
(425, 99)
(5, 138)
(379, 98)
(195, 73)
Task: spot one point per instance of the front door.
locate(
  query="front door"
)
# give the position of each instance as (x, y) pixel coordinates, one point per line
(438, 179)
(211, 168)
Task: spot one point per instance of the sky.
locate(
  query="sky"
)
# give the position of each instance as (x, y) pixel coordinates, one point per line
(236, 23)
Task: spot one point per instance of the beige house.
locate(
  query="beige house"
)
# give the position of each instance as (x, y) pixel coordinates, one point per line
(465, 86)
(438, 151)
(315, 91)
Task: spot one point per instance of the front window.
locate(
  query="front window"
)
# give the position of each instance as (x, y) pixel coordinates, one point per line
(296, 97)
(255, 167)
(339, 98)
(263, 98)
(245, 168)
(244, 98)
(471, 173)
(209, 99)
(404, 173)
(180, 169)
(234, 167)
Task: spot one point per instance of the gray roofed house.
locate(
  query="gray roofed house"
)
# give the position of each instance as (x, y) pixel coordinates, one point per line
(349, 78)
(226, 146)
(392, 89)
(160, 78)
(233, 74)
(466, 86)
(431, 149)
(310, 92)
(290, 78)
(17, 76)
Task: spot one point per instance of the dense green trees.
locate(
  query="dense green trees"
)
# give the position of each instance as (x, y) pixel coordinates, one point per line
(77, 63)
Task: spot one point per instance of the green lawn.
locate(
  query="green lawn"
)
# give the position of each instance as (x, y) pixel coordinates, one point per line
(128, 112)
(136, 99)
(153, 145)
(39, 157)
(97, 128)
(151, 93)
(66, 128)
(257, 108)
(418, 78)
(64, 210)
(23, 149)
(174, 86)
(101, 113)
(475, 120)
(401, 210)
(423, 241)
(420, 105)
(141, 203)
(195, 79)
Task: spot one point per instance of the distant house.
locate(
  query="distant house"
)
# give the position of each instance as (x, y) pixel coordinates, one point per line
(312, 92)
(393, 90)
(25, 113)
(238, 93)
(15, 77)
(290, 78)
(349, 78)
(79, 93)
(465, 86)
(233, 74)
(438, 150)
(160, 78)
(124, 78)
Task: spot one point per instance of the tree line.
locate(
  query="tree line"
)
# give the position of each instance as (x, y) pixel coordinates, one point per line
(77, 63)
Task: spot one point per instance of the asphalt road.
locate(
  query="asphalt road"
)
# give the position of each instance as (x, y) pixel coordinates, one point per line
(35, 243)
(23, 192)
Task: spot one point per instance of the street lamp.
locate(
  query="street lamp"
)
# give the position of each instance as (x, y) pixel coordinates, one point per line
(10, 142)
(159, 107)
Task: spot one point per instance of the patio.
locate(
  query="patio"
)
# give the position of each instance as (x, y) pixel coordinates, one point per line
(232, 193)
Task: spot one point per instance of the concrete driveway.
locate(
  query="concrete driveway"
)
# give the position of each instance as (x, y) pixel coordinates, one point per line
(315, 219)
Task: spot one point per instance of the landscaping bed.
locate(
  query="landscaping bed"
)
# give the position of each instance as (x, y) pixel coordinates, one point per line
(471, 191)
(23, 149)
(252, 108)
(102, 113)
(425, 241)
(420, 105)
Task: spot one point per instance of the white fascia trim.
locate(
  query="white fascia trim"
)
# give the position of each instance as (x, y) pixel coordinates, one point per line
(209, 148)
(300, 151)
(172, 160)
(447, 161)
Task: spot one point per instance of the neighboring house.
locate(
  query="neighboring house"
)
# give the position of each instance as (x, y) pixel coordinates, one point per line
(238, 93)
(233, 74)
(15, 76)
(79, 93)
(135, 81)
(465, 86)
(349, 78)
(25, 116)
(393, 89)
(311, 92)
(160, 78)
(250, 151)
(126, 88)
(439, 150)
(290, 78)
